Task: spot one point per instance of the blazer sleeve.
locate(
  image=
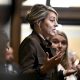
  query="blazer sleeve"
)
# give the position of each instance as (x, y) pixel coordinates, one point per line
(60, 75)
(28, 60)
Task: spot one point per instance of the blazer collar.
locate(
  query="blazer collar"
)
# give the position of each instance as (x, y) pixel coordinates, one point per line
(41, 39)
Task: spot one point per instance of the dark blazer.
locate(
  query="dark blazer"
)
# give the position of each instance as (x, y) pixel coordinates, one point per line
(32, 53)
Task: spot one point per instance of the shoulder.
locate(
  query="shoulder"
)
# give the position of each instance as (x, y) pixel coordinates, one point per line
(28, 40)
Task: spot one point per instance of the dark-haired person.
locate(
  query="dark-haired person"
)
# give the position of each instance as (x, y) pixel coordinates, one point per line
(8, 68)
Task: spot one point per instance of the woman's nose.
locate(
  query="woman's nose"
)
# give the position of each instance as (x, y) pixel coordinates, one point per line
(56, 24)
(60, 45)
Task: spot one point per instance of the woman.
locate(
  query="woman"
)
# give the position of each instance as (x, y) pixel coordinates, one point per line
(60, 43)
(35, 59)
(8, 69)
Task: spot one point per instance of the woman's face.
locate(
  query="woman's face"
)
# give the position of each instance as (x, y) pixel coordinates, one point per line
(59, 42)
(9, 54)
(48, 25)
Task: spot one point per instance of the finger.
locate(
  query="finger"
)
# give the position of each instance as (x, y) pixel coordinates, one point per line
(69, 72)
(46, 57)
(59, 54)
(59, 57)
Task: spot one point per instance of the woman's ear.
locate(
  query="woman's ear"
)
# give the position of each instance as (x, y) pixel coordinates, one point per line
(39, 25)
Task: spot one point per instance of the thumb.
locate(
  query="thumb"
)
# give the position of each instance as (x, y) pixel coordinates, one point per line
(46, 57)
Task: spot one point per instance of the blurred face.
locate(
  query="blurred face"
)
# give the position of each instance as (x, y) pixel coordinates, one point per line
(59, 42)
(9, 53)
(48, 25)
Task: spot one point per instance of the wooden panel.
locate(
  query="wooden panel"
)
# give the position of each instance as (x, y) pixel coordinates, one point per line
(15, 27)
(64, 13)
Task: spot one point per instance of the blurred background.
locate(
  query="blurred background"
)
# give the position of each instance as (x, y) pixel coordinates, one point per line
(13, 23)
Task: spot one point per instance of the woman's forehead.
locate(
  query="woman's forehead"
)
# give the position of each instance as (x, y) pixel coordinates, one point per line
(51, 14)
(59, 37)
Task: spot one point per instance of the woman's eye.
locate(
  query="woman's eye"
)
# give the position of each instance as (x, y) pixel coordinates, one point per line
(64, 42)
(52, 20)
(55, 42)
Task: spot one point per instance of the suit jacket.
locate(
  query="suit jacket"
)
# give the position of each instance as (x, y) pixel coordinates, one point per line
(32, 53)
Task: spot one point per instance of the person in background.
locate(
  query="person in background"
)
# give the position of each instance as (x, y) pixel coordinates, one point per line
(60, 43)
(8, 68)
(35, 58)
(74, 63)
(3, 42)
(9, 53)
(11, 67)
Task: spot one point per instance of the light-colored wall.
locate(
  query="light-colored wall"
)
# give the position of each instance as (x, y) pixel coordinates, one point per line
(73, 34)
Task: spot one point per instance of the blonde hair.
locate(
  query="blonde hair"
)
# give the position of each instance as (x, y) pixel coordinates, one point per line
(65, 61)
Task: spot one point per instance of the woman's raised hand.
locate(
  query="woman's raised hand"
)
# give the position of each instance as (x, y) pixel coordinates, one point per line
(50, 63)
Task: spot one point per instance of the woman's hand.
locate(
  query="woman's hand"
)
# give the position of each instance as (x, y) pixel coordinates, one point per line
(69, 72)
(78, 70)
(50, 63)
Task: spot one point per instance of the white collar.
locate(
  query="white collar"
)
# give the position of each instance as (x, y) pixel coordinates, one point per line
(41, 36)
